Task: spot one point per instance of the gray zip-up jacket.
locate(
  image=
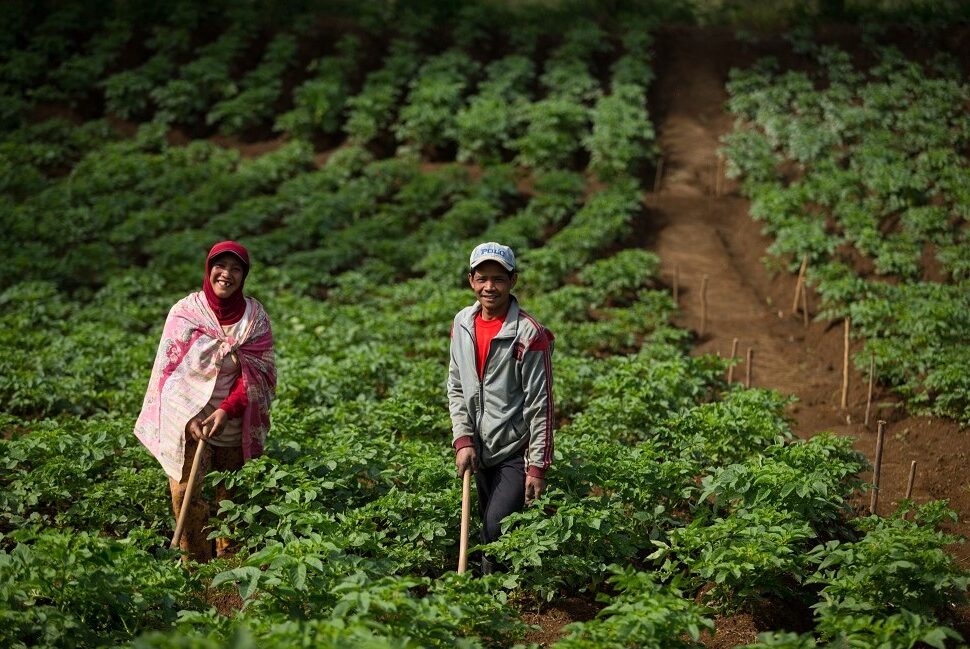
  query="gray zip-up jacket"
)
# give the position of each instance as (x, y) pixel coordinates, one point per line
(510, 410)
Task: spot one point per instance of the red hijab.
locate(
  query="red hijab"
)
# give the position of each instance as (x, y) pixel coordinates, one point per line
(228, 310)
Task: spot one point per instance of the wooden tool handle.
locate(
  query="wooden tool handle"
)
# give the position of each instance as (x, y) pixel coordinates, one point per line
(466, 506)
(187, 496)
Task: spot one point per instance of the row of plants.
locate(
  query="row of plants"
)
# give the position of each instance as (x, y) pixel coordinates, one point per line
(128, 92)
(876, 197)
(622, 136)
(484, 127)
(208, 78)
(553, 127)
(319, 102)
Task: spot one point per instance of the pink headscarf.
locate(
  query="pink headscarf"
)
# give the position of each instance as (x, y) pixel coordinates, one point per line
(228, 310)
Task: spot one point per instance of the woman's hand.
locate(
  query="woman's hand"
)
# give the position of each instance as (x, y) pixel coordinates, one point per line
(193, 428)
(213, 425)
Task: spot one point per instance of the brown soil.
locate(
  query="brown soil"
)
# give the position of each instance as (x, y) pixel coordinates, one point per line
(225, 600)
(731, 631)
(248, 149)
(551, 620)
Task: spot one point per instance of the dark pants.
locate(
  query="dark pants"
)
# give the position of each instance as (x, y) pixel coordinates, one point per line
(501, 491)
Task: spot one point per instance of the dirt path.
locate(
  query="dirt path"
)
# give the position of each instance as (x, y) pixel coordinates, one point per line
(697, 234)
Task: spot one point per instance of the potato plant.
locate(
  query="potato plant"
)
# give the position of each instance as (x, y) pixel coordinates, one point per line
(253, 102)
(319, 102)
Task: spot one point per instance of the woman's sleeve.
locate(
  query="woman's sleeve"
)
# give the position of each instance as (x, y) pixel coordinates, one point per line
(235, 404)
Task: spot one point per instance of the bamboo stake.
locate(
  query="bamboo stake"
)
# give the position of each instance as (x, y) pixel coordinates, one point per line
(804, 304)
(676, 284)
(466, 501)
(747, 369)
(187, 496)
(909, 485)
(912, 479)
(845, 367)
(872, 371)
(874, 498)
(718, 178)
(704, 304)
(734, 353)
(658, 176)
(799, 284)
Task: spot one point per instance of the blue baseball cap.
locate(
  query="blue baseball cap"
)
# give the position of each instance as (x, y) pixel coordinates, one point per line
(492, 251)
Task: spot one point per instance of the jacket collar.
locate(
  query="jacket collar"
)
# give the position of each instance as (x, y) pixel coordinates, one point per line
(509, 328)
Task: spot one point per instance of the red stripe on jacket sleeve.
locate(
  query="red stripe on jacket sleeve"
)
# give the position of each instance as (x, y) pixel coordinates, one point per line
(541, 342)
(550, 409)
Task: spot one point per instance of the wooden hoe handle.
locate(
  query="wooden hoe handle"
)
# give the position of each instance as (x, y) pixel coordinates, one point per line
(466, 505)
(187, 496)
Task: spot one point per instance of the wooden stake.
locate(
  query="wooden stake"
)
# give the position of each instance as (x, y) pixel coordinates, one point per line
(845, 367)
(676, 284)
(704, 305)
(912, 479)
(734, 353)
(658, 176)
(804, 304)
(466, 506)
(799, 284)
(747, 369)
(872, 371)
(874, 498)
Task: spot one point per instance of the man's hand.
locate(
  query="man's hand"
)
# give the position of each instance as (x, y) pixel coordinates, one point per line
(466, 458)
(213, 425)
(533, 488)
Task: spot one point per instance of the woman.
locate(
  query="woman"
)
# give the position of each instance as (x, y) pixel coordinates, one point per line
(214, 378)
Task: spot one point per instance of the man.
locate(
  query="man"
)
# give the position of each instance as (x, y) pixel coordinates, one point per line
(500, 392)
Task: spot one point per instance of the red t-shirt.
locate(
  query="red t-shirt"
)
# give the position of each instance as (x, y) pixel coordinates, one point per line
(485, 330)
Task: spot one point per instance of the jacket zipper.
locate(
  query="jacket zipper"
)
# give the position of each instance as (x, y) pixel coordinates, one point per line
(481, 382)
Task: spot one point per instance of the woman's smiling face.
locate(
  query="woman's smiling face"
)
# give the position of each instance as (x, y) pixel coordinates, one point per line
(226, 274)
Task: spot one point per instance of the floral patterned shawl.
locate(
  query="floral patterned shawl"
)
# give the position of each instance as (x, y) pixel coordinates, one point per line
(186, 366)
